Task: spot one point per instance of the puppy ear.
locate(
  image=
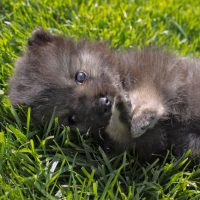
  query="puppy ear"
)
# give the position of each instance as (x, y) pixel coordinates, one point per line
(39, 37)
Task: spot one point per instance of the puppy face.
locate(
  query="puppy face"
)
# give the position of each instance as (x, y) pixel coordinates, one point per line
(76, 80)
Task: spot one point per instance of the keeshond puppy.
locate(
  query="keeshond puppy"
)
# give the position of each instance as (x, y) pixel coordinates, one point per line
(142, 99)
(77, 80)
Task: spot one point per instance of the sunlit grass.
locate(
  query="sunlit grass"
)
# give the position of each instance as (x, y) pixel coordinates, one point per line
(54, 164)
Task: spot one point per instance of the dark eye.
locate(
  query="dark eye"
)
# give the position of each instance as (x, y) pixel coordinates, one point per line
(80, 77)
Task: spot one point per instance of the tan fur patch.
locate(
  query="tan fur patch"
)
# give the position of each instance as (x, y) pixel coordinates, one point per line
(145, 98)
(116, 129)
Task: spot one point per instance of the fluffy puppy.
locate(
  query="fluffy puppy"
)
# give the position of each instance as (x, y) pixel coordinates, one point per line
(77, 80)
(146, 99)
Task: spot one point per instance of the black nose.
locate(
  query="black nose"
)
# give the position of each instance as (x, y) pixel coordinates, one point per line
(105, 103)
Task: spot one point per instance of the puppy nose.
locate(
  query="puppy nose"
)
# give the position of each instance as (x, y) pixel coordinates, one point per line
(105, 103)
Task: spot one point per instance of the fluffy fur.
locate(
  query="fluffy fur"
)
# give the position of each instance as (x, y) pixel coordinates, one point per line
(165, 101)
(45, 80)
(147, 99)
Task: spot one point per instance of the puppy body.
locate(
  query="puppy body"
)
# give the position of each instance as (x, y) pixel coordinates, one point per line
(164, 93)
(147, 100)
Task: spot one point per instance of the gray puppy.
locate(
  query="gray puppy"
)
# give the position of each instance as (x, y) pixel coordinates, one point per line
(77, 80)
(147, 100)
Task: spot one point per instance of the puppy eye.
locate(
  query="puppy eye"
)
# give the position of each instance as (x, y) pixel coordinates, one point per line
(80, 77)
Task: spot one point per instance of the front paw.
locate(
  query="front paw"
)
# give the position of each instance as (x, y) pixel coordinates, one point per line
(140, 125)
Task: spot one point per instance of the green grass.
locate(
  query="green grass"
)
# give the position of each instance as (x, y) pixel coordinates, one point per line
(52, 163)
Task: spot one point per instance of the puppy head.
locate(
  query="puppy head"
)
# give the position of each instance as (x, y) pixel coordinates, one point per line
(77, 80)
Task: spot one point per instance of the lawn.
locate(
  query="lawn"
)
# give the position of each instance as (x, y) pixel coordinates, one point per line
(51, 163)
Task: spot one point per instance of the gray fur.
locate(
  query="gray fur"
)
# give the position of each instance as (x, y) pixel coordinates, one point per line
(44, 79)
(173, 83)
(155, 95)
